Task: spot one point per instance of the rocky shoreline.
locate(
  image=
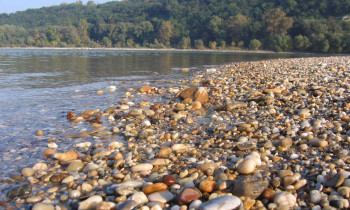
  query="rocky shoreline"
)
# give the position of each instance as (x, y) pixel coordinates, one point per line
(260, 135)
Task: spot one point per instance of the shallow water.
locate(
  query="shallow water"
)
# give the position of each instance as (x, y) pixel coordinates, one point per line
(39, 87)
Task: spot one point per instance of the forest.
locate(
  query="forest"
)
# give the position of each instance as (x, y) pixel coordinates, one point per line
(279, 25)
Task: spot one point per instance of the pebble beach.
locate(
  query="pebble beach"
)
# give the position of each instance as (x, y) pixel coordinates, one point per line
(270, 134)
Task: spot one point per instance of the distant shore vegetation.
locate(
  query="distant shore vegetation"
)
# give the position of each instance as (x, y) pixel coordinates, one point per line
(279, 25)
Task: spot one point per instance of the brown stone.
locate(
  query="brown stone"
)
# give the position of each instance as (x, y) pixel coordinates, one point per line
(47, 153)
(207, 186)
(188, 195)
(155, 188)
(145, 89)
(67, 156)
(195, 93)
(169, 180)
(269, 194)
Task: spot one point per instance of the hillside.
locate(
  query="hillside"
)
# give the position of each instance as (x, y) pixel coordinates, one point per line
(318, 26)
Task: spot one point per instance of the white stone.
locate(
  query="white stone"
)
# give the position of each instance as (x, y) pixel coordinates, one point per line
(285, 199)
(52, 145)
(111, 88)
(43, 206)
(195, 204)
(142, 167)
(90, 203)
(74, 194)
(222, 203)
(246, 166)
(40, 167)
(139, 197)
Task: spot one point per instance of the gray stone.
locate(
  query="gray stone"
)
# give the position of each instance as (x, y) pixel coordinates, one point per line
(315, 196)
(250, 186)
(21, 191)
(127, 205)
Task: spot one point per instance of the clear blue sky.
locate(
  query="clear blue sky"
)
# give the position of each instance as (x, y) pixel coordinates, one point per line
(10, 6)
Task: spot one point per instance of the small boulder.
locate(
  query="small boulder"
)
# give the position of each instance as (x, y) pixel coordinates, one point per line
(195, 93)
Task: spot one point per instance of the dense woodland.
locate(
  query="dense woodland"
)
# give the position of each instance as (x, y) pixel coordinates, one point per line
(280, 25)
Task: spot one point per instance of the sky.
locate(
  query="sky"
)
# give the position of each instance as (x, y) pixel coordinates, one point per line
(10, 6)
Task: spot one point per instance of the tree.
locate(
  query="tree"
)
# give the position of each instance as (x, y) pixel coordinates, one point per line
(212, 45)
(276, 22)
(236, 25)
(254, 44)
(106, 42)
(280, 42)
(199, 44)
(185, 43)
(301, 43)
(165, 32)
(82, 28)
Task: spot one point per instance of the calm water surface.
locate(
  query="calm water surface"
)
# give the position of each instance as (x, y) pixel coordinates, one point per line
(39, 87)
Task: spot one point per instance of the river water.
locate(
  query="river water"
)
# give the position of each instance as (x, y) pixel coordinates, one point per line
(39, 87)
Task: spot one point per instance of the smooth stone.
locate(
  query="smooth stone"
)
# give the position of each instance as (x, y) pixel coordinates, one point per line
(222, 203)
(67, 156)
(318, 143)
(162, 196)
(67, 180)
(155, 188)
(139, 197)
(250, 186)
(86, 187)
(130, 183)
(195, 204)
(125, 190)
(315, 196)
(288, 180)
(104, 205)
(285, 199)
(169, 180)
(188, 195)
(28, 172)
(338, 179)
(43, 206)
(164, 152)
(195, 93)
(35, 199)
(90, 166)
(207, 186)
(91, 203)
(127, 205)
(246, 166)
(208, 165)
(40, 167)
(179, 147)
(21, 191)
(269, 193)
(74, 194)
(159, 162)
(142, 167)
(75, 166)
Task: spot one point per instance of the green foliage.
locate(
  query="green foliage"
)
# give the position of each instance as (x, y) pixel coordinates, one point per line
(301, 43)
(315, 25)
(199, 44)
(212, 45)
(254, 44)
(280, 42)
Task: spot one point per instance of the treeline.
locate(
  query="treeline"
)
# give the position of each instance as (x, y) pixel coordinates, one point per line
(280, 25)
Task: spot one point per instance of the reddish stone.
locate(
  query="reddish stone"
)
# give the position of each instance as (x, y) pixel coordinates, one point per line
(195, 93)
(188, 195)
(169, 180)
